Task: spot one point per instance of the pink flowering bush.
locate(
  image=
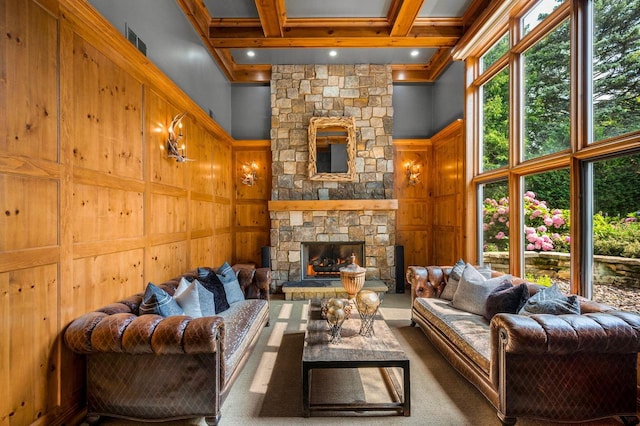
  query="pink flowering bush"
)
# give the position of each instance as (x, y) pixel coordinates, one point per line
(545, 229)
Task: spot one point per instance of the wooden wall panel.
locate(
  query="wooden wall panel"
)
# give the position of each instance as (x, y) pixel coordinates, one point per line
(414, 215)
(106, 213)
(166, 261)
(249, 245)
(91, 208)
(253, 215)
(29, 318)
(29, 117)
(201, 253)
(448, 179)
(106, 277)
(106, 114)
(168, 214)
(28, 212)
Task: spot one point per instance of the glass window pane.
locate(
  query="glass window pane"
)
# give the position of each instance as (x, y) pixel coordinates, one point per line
(616, 232)
(494, 233)
(616, 68)
(547, 94)
(538, 14)
(495, 121)
(546, 228)
(495, 53)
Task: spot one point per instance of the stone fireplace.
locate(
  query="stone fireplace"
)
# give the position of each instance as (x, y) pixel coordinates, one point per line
(307, 211)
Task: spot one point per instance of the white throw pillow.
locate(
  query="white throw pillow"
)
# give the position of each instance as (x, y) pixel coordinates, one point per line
(474, 289)
(194, 299)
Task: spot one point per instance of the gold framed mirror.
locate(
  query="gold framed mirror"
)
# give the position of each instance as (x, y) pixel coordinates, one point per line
(332, 149)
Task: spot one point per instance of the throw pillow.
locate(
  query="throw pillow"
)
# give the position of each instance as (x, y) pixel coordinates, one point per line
(157, 301)
(453, 280)
(473, 290)
(551, 301)
(506, 298)
(231, 285)
(195, 300)
(212, 283)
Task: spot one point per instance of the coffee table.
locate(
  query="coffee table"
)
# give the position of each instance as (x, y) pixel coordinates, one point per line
(381, 350)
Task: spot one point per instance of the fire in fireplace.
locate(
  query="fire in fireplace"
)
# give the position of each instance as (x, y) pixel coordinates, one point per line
(323, 260)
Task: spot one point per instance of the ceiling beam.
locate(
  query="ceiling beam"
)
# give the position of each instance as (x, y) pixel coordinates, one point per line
(403, 17)
(438, 63)
(272, 14)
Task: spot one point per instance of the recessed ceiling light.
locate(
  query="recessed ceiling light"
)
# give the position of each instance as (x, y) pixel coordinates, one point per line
(333, 53)
(251, 53)
(414, 53)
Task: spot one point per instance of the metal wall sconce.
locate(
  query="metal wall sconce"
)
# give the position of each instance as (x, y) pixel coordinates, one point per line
(413, 172)
(174, 147)
(249, 173)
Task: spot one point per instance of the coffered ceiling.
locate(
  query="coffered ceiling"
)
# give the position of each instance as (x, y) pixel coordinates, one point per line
(416, 36)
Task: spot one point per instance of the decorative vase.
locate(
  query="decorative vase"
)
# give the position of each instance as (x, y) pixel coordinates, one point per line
(352, 278)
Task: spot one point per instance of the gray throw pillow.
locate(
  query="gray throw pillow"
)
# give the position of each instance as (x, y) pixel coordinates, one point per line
(551, 301)
(230, 282)
(473, 290)
(195, 300)
(157, 301)
(453, 280)
(457, 269)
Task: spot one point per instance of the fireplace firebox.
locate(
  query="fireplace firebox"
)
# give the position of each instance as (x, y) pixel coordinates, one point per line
(323, 260)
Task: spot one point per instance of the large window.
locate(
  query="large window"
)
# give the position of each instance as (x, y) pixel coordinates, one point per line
(558, 152)
(546, 94)
(615, 231)
(616, 68)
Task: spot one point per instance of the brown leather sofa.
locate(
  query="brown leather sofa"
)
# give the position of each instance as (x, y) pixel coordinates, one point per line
(563, 368)
(154, 368)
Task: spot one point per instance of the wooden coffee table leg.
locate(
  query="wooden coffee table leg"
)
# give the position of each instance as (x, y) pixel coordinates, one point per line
(407, 389)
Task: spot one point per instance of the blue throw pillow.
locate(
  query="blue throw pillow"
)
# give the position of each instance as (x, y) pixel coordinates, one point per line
(231, 285)
(506, 298)
(157, 301)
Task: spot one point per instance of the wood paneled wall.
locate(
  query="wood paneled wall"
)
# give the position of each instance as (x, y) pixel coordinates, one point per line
(448, 191)
(91, 208)
(413, 220)
(252, 226)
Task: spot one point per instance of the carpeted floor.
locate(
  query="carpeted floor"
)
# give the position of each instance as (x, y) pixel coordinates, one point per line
(269, 389)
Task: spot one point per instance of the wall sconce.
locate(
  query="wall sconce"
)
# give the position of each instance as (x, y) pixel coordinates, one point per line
(249, 173)
(175, 149)
(413, 172)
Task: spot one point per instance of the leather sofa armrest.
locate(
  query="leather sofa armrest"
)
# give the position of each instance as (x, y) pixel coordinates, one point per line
(145, 334)
(255, 282)
(426, 281)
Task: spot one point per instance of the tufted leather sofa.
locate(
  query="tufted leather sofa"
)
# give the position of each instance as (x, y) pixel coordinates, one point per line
(565, 368)
(153, 368)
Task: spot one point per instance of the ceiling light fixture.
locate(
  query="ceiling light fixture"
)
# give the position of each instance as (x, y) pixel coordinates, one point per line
(333, 53)
(414, 53)
(251, 53)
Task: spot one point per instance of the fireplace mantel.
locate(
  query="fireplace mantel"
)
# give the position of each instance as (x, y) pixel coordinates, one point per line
(307, 205)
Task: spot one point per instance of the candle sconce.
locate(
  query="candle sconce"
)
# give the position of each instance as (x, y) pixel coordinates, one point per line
(176, 149)
(249, 173)
(413, 172)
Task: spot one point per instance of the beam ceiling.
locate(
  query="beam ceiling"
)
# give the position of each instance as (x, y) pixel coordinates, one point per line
(401, 28)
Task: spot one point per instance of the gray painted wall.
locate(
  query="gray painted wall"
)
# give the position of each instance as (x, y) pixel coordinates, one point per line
(250, 111)
(412, 110)
(448, 96)
(174, 46)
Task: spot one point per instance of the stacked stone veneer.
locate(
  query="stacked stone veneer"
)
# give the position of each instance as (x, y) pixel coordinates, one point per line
(299, 92)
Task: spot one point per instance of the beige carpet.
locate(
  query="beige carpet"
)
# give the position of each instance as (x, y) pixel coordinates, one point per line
(269, 389)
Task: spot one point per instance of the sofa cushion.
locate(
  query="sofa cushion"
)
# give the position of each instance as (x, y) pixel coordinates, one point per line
(241, 322)
(157, 301)
(551, 301)
(473, 290)
(506, 298)
(230, 282)
(468, 332)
